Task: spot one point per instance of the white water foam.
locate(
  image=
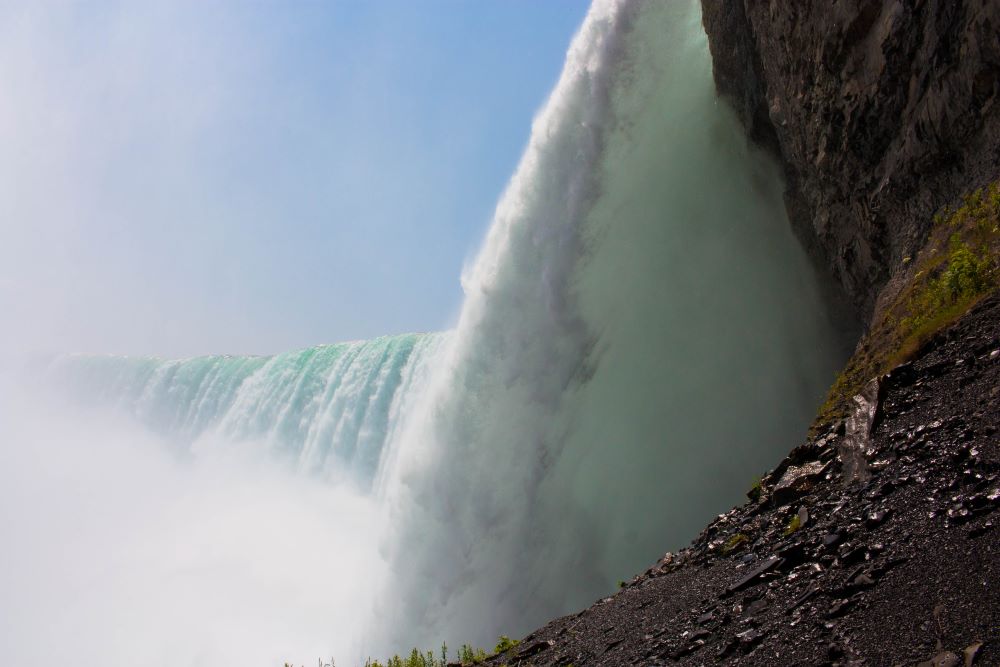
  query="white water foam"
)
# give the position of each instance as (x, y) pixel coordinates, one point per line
(641, 336)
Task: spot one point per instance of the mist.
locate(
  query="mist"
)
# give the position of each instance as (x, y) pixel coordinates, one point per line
(182, 178)
(118, 551)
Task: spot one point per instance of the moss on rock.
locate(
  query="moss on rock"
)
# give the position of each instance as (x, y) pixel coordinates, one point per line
(957, 267)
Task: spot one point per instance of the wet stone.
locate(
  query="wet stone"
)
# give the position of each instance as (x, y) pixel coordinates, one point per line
(749, 638)
(884, 490)
(969, 654)
(805, 597)
(981, 530)
(838, 608)
(832, 539)
(854, 556)
(876, 519)
(958, 514)
(976, 503)
(534, 649)
(728, 647)
(766, 566)
(942, 659)
(797, 481)
(792, 555)
(755, 607)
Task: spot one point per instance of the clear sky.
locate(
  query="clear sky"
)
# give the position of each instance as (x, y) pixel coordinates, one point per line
(194, 177)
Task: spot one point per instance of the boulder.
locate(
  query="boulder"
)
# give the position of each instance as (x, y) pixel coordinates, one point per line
(797, 481)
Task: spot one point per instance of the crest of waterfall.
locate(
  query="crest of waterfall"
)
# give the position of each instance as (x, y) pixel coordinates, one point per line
(326, 410)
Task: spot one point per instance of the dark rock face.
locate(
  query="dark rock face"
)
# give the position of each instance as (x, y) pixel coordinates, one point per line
(881, 111)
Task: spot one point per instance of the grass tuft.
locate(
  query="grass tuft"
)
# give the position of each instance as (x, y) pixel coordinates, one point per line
(467, 656)
(734, 543)
(505, 644)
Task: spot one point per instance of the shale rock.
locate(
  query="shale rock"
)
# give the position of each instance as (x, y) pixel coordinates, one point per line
(797, 481)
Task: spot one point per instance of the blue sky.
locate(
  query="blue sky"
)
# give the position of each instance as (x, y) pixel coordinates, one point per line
(193, 177)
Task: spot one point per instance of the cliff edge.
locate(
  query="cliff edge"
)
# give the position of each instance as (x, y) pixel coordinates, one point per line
(880, 111)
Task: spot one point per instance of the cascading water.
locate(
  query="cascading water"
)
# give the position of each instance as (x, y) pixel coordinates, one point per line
(641, 335)
(328, 410)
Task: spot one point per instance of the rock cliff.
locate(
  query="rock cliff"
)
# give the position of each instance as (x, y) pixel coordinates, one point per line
(881, 112)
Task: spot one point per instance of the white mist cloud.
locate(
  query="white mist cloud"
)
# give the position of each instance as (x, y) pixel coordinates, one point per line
(117, 552)
(107, 123)
(191, 177)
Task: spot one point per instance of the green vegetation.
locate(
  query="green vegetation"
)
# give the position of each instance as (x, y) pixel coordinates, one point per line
(734, 542)
(958, 266)
(505, 644)
(793, 525)
(471, 656)
(415, 659)
(467, 655)
(756, 490)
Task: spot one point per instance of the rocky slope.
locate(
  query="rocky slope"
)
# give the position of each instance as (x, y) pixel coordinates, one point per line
(877, 543)
(881, 112)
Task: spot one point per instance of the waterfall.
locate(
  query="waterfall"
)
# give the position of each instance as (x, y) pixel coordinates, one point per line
(641, 335)
(326, 410)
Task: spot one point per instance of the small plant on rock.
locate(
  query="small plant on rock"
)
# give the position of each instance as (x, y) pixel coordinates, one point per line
(505, 644)
(793, 525)
(734, 542)
(471, 656)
